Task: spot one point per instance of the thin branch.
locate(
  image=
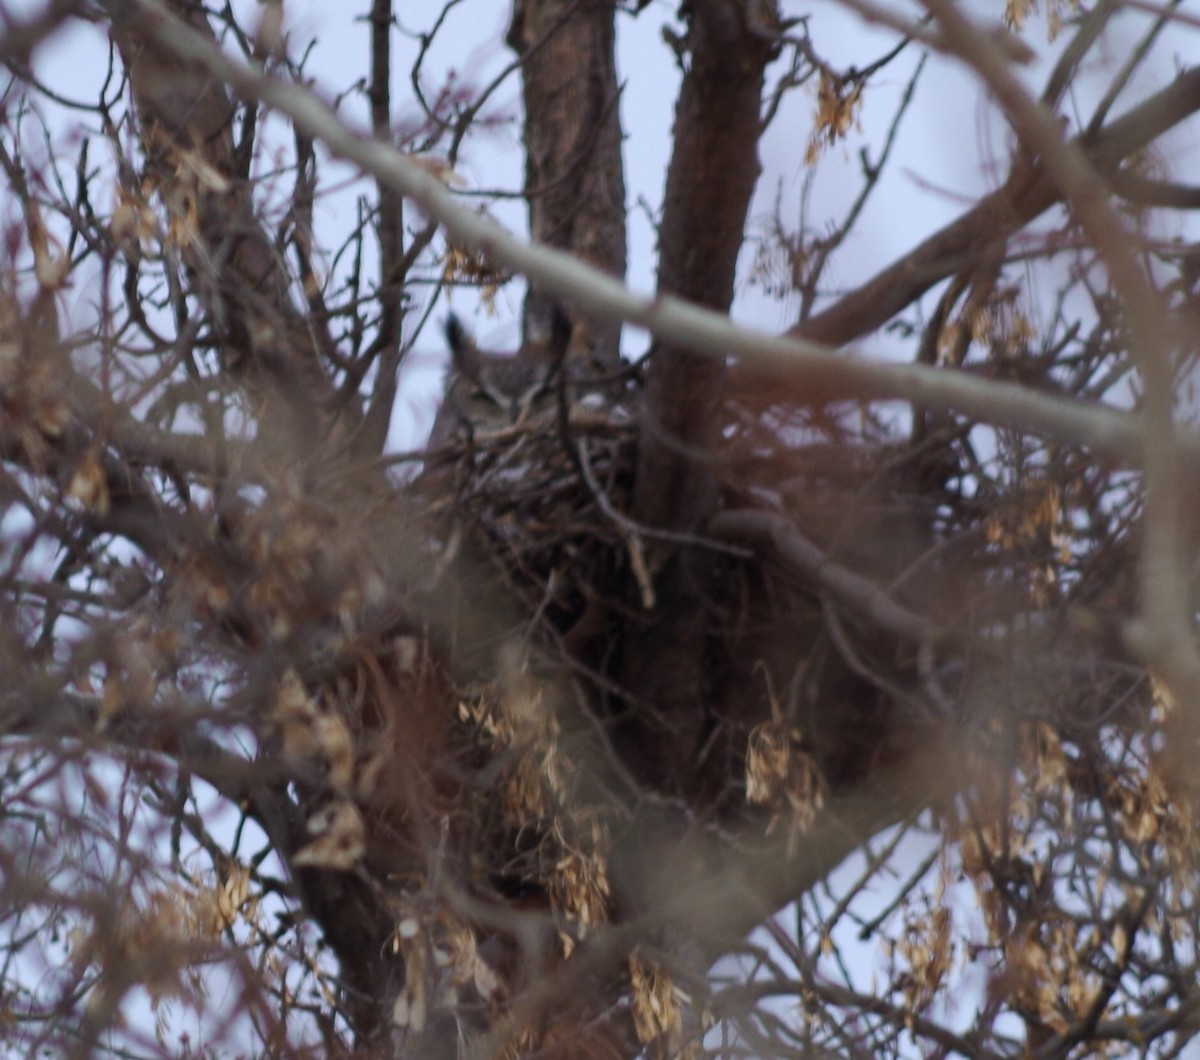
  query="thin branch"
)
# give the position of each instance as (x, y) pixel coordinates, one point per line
(1163, 632)
(857, 594)
(1107, 430)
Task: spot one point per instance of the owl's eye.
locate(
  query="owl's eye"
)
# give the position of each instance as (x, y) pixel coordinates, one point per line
(479, 393)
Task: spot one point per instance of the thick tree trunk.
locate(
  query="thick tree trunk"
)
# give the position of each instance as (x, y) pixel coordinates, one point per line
(714, 167)
(574, 179)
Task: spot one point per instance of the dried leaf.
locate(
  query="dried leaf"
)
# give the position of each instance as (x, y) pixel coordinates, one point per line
(341, 838)
(89, 485)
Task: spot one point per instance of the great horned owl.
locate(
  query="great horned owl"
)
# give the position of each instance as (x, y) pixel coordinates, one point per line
(488, 392)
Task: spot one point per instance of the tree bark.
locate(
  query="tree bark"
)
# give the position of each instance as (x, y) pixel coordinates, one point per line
(574, 178)
(713, 171)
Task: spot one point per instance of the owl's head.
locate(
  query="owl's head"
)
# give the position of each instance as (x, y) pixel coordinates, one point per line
(491, 391)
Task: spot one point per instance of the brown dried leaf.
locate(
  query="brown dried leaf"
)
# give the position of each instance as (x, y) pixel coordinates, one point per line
(654, 1001)
(838, 102)
(341, 838)
(89, 485)
(232, 893)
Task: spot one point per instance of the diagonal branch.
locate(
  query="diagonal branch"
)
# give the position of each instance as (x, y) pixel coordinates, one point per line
(1028, 192)
(1108, 431)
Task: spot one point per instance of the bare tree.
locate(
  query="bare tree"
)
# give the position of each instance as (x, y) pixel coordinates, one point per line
(757, 697)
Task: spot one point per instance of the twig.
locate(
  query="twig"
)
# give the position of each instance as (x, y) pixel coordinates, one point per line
(1112, 432)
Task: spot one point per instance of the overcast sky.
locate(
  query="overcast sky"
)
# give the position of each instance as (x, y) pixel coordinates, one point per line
(953, 147)
(953, 144)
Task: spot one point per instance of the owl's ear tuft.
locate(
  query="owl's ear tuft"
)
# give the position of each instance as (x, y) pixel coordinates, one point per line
(463, 351)
(456, 334)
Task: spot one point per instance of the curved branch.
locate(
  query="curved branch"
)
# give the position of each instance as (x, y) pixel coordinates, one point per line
(1028, 192)
(857, 594)
(832, 376)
